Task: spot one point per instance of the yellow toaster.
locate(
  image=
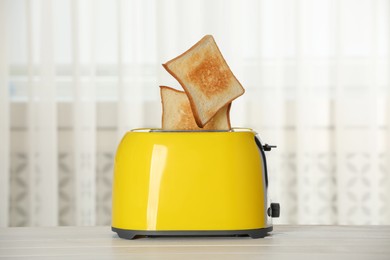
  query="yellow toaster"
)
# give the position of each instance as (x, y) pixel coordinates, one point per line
(191, 183)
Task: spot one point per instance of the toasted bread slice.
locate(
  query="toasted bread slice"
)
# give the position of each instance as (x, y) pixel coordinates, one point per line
(177, 113)
(206, 78)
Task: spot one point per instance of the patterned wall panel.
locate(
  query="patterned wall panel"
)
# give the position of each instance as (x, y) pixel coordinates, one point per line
(319, 193)
(358, 188)
(105, 163)
(384, 186)
(19, 202)
(66, 189)
(286, 180)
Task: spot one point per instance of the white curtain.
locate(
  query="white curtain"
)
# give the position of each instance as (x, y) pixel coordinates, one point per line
(76, 75)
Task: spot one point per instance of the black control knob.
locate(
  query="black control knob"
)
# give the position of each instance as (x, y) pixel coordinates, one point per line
(274, 210)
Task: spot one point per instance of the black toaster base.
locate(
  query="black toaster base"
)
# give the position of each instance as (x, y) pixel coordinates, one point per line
(253, 233)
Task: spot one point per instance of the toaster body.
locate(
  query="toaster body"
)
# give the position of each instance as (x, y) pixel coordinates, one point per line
(191, 184)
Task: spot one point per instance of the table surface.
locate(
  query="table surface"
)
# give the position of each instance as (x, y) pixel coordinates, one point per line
(285, 242)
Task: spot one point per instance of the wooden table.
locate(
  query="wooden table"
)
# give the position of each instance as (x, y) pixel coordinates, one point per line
(286, 242)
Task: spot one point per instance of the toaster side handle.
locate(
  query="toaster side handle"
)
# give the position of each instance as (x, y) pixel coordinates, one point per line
(260, 146)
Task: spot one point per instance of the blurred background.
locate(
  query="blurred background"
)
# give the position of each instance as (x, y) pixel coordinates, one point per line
(76, 75)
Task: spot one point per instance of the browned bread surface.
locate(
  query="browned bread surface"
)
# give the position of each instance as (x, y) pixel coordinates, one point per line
(177, 113)
(206, 78)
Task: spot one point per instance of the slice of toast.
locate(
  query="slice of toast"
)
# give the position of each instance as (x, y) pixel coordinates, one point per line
(177, 113)
(206, 78)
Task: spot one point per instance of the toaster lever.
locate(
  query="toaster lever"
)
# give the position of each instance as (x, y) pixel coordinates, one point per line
(268, 147)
